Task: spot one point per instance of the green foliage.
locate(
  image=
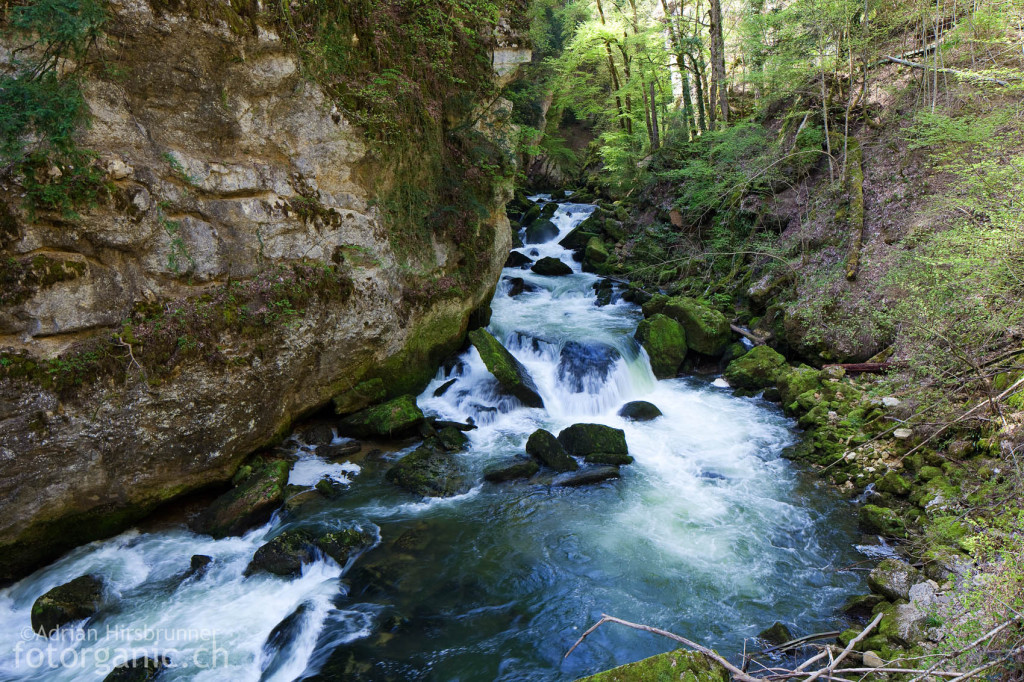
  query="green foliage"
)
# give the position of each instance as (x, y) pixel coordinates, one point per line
(42, 106)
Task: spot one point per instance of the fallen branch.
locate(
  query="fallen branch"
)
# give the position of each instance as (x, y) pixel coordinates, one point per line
(849, 647)
(747, 334)
(962, 74)
(864, 367)
(605, 618)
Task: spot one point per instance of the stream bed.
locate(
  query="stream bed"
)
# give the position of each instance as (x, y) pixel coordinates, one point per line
(709, 533)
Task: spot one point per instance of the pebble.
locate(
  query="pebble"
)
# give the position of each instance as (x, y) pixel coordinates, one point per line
(890, 401)
(873, 660)
(902, 434)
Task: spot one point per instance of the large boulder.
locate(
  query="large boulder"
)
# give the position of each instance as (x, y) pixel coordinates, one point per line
(258, 491)
(893, 579)
(431, 472)
(882, 520)
(596, 443)
(394, 418)
(518, 260)
(509, 372)
(579, 236)
(545, 448)
(665, 342)
(552, 267)
(640, 411)
(596, 251)
(585, 367)
(541, 231)
(796, 382)
(707, 330)
(288, 552)
(756, 370)
(76, 600)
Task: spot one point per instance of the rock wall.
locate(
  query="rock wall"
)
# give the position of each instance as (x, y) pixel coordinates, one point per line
(225, 165)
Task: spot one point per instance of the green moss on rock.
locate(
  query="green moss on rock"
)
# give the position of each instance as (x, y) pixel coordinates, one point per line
(429, 472)
(75, 600)
(707, 330)
(881, 520)
(596, 443)
(674, 666)
(508, 471)
(596, 251)
(545, 448)
(509, 372)
(393, 418)
(258, 491)
(756, 370)
(665, 342)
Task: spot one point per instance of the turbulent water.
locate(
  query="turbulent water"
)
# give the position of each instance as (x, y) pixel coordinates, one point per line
(709, 534)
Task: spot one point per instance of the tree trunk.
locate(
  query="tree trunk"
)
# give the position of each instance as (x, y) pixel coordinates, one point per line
(655, 139)
(613, 70)
(718, 61)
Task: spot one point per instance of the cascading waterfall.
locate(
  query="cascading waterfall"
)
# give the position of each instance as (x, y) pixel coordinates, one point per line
(709, 533)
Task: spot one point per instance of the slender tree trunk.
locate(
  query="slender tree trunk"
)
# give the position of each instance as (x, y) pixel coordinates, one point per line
(655, 138)
(629, 79)
(612, 69)
(718, 61)
(700, 95)
(675, 34)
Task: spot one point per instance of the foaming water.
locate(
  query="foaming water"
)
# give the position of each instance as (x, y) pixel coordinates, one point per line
(709, 533)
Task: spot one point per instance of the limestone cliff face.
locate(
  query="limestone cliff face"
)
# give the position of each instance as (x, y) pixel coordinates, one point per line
(225, 166)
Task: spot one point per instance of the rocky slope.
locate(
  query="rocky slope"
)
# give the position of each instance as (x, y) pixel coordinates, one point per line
(239, 273)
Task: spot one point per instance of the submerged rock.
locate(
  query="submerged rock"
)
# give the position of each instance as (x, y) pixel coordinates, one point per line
(689, 666)
(544, 447)
(509, 372)
(596, 443)
(429, 472)
(579, 236)
(143, 669)
(585, 367)
(518, 260)
(587, 476)
(640, 411)
(393, 418)
(551, 267)
(318, 434)
(518, 468)
(756, 370)
(541, 231)
(452, 439)
(517, 285)
(665, 342)
(339, 450)
(198, 565)
(258, 491)
(75, 600)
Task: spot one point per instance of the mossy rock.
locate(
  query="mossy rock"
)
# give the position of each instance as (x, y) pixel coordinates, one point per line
(551, 267)
(674, 666)
(707, 330)
(596, 252)
(545, 448)
(655, 305)
(861, 605)
(429, 472)
(531, 214)
(509, 372)
(258, 491)
(548, 209)
(340, 545)
(893, 578)
(596, 443)
(756, 370)
(284, 555)
(364, 393)
(391, 419)
(640, 411)
(776, 634)
(795, 383)
(732, 352)
(73, 601)
(452, 439)
(578, 237)
(143, 669)
(541, 231)
(882, 520)
(521, 467)
(894, 484)
(927, 473)
(518, 260)
(665, 342)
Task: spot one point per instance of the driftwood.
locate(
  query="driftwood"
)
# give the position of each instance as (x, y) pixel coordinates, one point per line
(864, 367)
(747, 334)
(956, 72)
(828, 672)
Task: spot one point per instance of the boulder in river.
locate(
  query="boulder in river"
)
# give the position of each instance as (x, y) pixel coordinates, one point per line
(665, 342)
(707, 330)
(596, 251)
(431, 472)
(882, 520)
(776, 634)
(551, 267)
(893, 578)
(394, 418)
(258, 491)
(596, 443)
(521, 467)
(587, 476)
(518, 260)
(545, 448)
(509, 372)
(640, 411)
(142, 669)
(517, 285)
(317, 434)
(452, 439)
(339, 450)
(540, 231)
(756, 370)
(75, 600)
(584, 367)
(579, 236)
(673, 665)
(288, 552)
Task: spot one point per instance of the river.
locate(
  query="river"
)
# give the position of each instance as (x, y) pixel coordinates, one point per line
(709, 533)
